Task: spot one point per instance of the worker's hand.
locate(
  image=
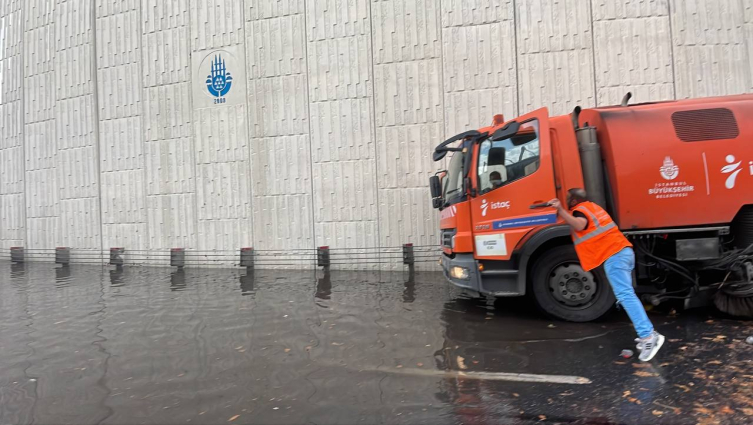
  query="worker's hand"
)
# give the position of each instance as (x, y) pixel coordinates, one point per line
(555, 203)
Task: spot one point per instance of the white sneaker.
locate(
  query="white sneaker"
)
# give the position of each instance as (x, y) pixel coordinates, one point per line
(650, 346)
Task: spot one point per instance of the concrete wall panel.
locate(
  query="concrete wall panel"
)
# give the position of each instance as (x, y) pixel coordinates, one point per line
(408, 92)
(112, 7)
(216, 23)
(479, 74)
(12, 172)
(412, 218)
(283, 222)
(120, 145)
(172, 221)
(11, 133)
(39, 97)
(78, 173)
(281, 166)
(41, 193)
(339, 68)
(634, 54)
(221, 135)
(404, 154)
(160, 15)
(609, 9)
(328, 19)
(457, 13)
(559, 80)
(223, 191)
(277, 46)
(280, 147)
(263, 9)
(710, 50)
(123, 197)
(121, 134)
(74, 72)
(79, 223)
(76, 126)
(170, 166)
(12, 118)
(12, 220)
(278, 106)
(406, 30)
(336, 107)
(167, 56)
(167, 112)
(555, 55)
(342, 130)
(11, 91)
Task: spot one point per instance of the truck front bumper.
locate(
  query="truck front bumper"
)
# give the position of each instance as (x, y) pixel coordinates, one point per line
(498, 281)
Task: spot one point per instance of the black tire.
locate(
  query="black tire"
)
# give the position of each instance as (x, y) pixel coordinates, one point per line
(585, 296)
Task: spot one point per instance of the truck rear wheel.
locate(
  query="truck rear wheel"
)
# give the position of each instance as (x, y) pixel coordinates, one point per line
(563, 290)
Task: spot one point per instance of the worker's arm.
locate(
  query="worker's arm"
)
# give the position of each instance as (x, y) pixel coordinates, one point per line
(577, 223)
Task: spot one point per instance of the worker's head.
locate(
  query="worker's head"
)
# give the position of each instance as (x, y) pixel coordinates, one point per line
(575, 196)
(495, 178)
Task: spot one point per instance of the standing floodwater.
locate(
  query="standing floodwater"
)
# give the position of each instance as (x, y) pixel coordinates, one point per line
(90, 345)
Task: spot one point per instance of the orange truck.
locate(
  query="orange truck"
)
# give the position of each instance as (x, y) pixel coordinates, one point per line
(676, 176)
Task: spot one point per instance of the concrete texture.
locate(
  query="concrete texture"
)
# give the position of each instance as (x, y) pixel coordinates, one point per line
(109, 136)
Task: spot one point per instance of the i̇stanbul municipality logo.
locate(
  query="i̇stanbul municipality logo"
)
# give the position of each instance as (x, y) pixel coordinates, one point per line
(219, 79)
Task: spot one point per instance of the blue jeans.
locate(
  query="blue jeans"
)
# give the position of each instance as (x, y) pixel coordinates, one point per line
(619, 269)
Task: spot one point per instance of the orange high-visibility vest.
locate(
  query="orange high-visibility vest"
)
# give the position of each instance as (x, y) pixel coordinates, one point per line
(600, 240)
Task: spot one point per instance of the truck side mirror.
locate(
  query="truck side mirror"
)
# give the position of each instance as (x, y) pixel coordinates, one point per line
(436, 202)
(435, 185)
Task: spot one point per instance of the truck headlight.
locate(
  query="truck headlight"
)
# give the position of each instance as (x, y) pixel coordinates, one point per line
(459, 272)
(452, 243)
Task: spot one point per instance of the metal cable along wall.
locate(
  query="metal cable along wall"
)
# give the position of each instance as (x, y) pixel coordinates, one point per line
(350, 258)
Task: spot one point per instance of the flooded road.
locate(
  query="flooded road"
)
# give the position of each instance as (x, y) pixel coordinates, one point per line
(91, 345)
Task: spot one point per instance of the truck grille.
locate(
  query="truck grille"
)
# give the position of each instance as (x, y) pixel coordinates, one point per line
(447, 235)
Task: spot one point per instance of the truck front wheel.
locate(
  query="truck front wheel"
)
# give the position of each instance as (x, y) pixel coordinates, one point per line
(563, 290)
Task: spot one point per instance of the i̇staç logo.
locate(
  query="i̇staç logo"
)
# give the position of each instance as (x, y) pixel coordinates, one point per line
(484, 207)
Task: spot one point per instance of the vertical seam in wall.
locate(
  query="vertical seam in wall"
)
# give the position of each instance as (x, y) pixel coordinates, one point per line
(248, 126)
(95, 100)
(194, 139)
(517, 54)
(442, 70)
(372, 120)
(593, 51)
(435, 231)
(24, 209)
(672, 49)
(57, 233)
(308, 119)
(143, 126)
(747, 48)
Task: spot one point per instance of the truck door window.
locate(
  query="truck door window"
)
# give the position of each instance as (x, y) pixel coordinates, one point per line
(503, 161)
(453, 184)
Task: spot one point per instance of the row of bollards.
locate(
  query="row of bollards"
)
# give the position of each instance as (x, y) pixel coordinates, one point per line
(178, 256)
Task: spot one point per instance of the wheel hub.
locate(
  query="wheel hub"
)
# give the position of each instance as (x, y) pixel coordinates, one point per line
(571, 285)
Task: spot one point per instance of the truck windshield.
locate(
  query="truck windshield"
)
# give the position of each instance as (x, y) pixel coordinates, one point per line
(501, 162)
(453, 184)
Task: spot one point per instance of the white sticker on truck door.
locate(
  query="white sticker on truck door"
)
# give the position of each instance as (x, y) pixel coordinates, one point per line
(491, 245)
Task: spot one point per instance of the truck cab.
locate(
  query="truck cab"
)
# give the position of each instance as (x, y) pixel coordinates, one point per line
(498, 237)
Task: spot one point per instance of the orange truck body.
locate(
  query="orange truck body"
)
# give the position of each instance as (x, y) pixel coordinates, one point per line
(672, 165)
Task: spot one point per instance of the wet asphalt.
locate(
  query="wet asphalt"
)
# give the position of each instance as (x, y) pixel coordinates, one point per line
(95, 345)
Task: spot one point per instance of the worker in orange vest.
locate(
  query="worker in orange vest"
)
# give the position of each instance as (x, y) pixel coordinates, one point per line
(599, 242)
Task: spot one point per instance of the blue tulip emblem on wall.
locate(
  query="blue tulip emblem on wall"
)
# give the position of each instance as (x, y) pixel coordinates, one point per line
(219, 80)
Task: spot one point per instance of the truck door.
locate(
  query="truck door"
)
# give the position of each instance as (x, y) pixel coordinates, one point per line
(510, 175)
